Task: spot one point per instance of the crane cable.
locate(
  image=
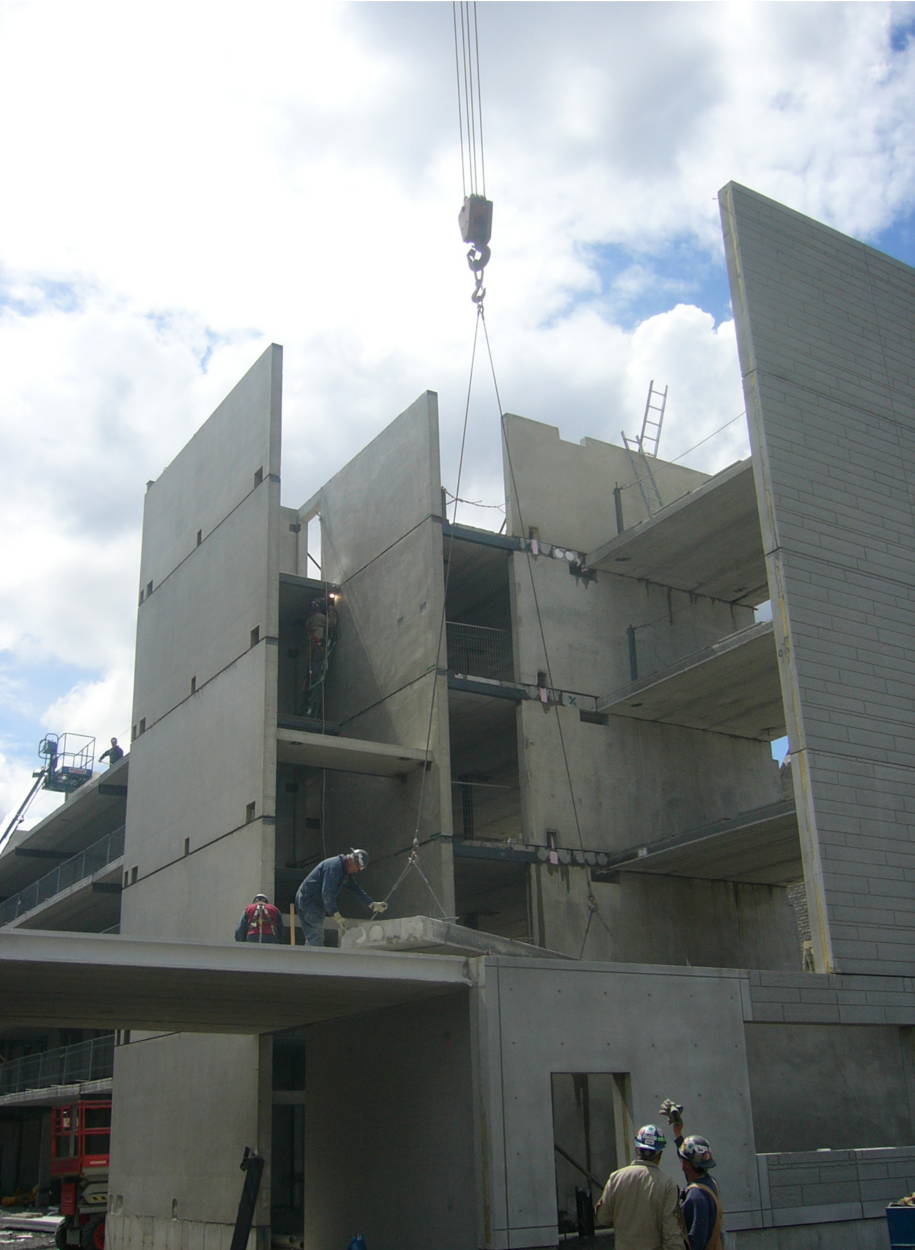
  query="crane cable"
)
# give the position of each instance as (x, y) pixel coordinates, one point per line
(470, 109)
(413, 857)
(476, 215)
(475, 222)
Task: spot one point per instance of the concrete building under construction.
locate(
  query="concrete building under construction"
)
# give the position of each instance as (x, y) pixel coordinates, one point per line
(555, 744)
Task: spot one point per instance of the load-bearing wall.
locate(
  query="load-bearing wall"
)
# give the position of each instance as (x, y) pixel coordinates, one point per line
(199, 839)
(381, 544)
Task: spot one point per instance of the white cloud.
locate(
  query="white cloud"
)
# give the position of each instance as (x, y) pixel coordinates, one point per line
(186, 183)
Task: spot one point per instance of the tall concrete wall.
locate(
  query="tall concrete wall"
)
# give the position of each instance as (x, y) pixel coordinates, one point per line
(199, 839)
(826, 334)
(381, 542)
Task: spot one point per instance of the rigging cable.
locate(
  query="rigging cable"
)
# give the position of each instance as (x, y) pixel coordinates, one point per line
(530, 570)
(413, 859)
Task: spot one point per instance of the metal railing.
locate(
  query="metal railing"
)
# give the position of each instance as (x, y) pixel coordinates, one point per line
(479, 651)
(76, 868)
(67, 1065)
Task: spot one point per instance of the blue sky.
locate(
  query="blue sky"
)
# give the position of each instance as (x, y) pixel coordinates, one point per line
(299, 182)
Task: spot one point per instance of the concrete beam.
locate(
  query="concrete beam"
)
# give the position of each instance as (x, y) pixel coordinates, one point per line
(67, 980)
(707, 542)
(731, 687)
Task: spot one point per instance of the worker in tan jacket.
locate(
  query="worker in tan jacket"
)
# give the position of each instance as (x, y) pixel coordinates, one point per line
(640, 1202)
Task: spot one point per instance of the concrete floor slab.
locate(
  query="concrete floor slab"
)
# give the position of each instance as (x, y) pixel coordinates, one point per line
(731, 687)
(349, 755)
(707, 542)
(66, 980)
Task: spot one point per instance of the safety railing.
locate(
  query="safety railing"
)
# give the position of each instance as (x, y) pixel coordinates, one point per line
(479, 651)
(76, 868)
(66, 1065)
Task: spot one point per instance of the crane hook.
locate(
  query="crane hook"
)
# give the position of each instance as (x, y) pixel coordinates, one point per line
(475, 221)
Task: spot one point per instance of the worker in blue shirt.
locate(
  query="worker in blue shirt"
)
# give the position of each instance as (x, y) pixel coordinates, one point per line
(318, 895)
(700, 1202)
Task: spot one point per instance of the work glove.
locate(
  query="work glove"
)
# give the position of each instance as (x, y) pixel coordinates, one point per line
(672, 1111)
(378, 909)
(341, 923)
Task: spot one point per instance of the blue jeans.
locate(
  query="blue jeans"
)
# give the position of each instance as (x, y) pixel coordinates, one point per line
(311, 919)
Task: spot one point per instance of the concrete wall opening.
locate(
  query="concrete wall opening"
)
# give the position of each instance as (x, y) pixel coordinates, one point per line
(305, 654)
(287, 1156)
(477, 610)
(592, 1132)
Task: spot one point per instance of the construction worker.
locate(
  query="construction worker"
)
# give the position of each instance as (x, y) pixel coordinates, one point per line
(260, 922)
(113, 754)
(318, 895)
(700, 1202)
(640, 1202)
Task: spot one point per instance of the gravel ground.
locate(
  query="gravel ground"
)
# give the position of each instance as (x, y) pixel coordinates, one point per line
(21, 1239)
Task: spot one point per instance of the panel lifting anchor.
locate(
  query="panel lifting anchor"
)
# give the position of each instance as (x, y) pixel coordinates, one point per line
(475, 221)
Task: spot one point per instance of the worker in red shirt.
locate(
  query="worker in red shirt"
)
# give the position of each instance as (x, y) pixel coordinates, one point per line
(260, 922)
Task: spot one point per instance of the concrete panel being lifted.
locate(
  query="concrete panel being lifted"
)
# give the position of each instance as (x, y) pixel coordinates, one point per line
(66, 980)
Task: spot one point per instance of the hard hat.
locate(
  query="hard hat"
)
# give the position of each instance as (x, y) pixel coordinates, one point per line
(650, 1137)
(697, 1151)
(361, 857)
(259, 897)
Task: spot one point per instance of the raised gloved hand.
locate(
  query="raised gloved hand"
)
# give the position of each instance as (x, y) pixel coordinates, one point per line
(341, 923)
(379, 909)
(672, 1111)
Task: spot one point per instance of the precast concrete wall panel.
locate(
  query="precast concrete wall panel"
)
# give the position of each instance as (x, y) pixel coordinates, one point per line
(566, 490)
(826, 332)
(150, 1173)
(195, 773)
(198, 622)
(675, 1035)
(577, 629)
(215, 471)
(207, 889)
(199, 839)
(621, 789)
(381, 543)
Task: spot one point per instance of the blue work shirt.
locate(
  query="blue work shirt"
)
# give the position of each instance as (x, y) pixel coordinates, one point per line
(700, 1211)
(322, 886)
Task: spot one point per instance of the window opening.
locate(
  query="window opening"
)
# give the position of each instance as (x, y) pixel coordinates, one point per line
(313, 559)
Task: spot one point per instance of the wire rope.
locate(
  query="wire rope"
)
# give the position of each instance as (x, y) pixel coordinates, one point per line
(470, 100)
(530, 570)
(413, 859)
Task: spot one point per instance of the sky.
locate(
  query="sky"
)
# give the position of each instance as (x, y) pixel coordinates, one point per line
(185, 183)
